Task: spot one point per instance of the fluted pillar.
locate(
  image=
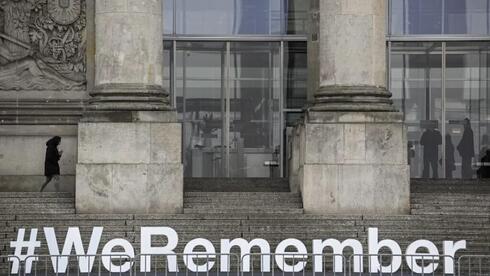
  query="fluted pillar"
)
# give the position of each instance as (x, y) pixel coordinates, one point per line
(129, 56)
(352, 73)
(129, 140)
(354, 157)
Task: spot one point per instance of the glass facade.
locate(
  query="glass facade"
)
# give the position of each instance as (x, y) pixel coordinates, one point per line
(431, 17)
(235, 17)
(231, 98)
(443, 90)
(237, 70)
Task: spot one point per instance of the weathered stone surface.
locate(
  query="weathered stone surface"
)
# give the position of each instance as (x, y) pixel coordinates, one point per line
(129, 188)
(356, 189)
(93, 188)
(344, 139)
(114, 143)
(350, 34)
(129, 143)
(129, 168)
(386, 143)
(164, 148)
(129, 44)
(350, 166)
(44, 45)
(165, 189)
(325, 143)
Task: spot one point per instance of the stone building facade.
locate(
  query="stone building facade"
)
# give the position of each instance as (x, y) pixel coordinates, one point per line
(93, 72)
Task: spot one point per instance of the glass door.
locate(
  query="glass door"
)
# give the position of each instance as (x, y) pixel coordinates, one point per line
(254, 97)
(200, 93)
(228, 95)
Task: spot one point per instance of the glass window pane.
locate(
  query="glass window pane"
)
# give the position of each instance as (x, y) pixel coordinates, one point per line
(416, 84)
(234, 17)
(200, 101)
(466, 17)
(168, 16)
(254, 109)
(415, 17)
(167, 55)
(295, 74)
(297, 16)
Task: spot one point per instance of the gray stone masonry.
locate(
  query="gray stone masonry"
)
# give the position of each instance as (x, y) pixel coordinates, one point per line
(129, 141)
(349, 153)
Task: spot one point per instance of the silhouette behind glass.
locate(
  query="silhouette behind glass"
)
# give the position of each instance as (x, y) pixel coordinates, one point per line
(450, 163)
(430, 140)
(484, 170)
(466, 150)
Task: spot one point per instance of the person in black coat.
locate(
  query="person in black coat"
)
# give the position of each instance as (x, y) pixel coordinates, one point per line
(430, 140)
(450, 162)
(51, 166)
(466, 149)
(484, 170)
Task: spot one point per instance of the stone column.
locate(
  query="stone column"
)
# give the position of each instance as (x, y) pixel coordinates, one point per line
(129, 148)
(355, 157)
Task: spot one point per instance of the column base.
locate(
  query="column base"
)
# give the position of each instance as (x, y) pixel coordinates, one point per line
(129, 167)
(354, 163)
(129, 96)
(353, 98)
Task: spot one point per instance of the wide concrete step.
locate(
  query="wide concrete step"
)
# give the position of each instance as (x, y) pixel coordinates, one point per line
(215, 206)
(35, 205)
(40, 200)
(473, 208)
(10, 211)
(236, 184)
(243, 199)
(36, 195)
(243, 211)
(448, 213)
(77, 217)
(232, 195)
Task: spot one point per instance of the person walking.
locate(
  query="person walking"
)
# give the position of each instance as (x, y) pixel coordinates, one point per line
(51, 166)
(466, 149)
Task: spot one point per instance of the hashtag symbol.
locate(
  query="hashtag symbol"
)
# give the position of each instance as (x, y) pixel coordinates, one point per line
(18, 247)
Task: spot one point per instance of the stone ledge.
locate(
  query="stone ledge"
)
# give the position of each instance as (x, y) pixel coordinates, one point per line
(330, 117)
(129, 116)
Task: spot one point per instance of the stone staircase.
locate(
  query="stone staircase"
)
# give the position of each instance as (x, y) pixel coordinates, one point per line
(450, 197)
(441, 210)
(240, 196)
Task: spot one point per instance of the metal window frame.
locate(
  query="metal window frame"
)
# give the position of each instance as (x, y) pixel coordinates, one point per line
(444, 54)
(227, 91)
(429, 37)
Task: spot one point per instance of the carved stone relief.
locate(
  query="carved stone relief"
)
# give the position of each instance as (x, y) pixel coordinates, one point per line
(42, 45)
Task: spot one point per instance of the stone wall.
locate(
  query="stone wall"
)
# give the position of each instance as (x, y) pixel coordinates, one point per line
(22, 151)
(46, 69)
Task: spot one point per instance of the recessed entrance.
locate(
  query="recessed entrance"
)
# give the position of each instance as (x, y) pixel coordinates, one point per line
(230, 97)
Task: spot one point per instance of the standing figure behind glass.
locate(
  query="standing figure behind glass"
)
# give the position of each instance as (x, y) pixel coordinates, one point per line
(430, 140)
(466, 149)
(450, 162)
